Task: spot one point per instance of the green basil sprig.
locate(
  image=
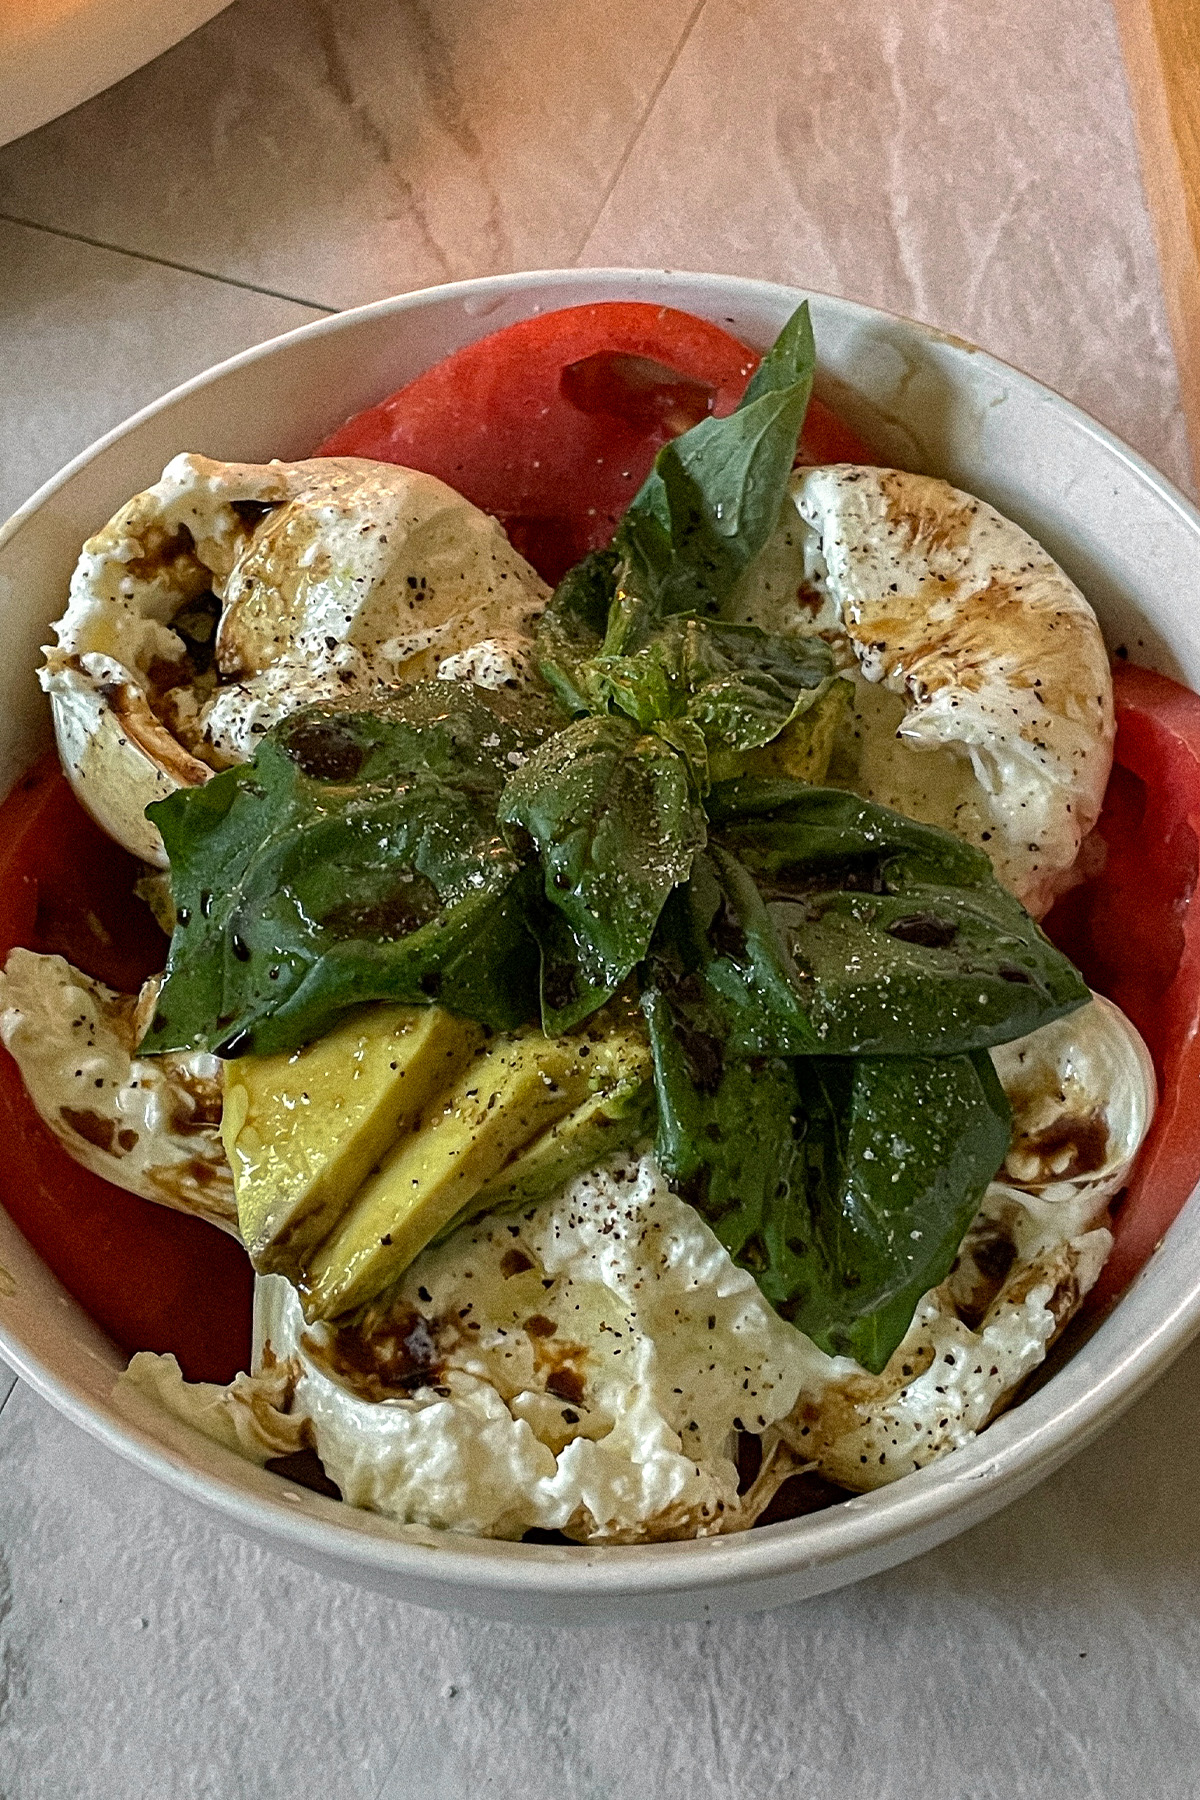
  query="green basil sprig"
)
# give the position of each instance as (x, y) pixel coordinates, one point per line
(699, 519)
(714, 495)
(627, 642)
(706, 687)
(843, 1185)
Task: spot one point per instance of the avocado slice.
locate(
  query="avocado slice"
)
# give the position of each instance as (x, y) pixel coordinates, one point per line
(303, 1129)
(512, 1093)
(616, 1114)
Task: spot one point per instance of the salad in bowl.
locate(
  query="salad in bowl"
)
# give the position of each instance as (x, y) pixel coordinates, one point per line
(639, 955)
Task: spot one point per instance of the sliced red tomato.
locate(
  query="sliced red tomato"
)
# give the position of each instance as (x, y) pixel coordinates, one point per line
(826, 438)
(153, 1279)
(553, 424)
(1135, 932)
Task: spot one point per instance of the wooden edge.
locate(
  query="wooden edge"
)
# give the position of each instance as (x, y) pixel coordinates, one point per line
(1161, 42)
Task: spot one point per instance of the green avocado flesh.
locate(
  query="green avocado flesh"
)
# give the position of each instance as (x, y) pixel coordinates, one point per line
(302, 1130)
(351, 1155)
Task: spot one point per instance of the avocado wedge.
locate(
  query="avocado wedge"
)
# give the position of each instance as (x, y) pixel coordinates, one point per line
(487, 1141)
(619, 1112)
(302, 1130)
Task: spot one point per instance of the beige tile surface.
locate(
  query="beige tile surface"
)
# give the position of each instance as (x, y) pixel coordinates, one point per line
(973, 166)
(87, 336)
(339, 150)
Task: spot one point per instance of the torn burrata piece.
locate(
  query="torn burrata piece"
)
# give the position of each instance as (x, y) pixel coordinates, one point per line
(587, 1366)
(582, 1367)
(230, 594)
(983, 693)
(1083, 1094)
(150, 1124)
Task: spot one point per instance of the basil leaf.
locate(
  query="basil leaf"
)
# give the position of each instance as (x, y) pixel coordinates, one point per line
(894, 1158)
(725, 975)
(746, 685)
(616, 823)
(686, 737)
(789, 363)
(895, 937)
(574, 980)
(844, 1186)
(714, 495)
(738, 684)
(776, 824)
(647, 686)
(804, 749)
(571, 630)
(704, 512)
(726, 1136)
(356, 858)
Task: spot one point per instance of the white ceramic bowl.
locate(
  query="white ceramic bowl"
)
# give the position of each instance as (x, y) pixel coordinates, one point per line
(54, 54)
(927, 401)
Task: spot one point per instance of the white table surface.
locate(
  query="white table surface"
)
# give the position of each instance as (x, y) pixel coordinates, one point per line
(971, 165)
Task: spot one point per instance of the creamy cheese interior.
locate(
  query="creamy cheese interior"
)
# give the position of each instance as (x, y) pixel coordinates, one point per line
(231, 594)
(983, 696)
(589, 1364)
(146, 1123)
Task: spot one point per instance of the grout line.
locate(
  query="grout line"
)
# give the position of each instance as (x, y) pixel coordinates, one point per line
(164, 262)
(4, 1399)
(639, 128)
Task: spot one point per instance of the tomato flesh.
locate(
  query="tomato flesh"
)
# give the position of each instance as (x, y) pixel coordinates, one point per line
(153, 1279)
(553, 423)
(1134, 930)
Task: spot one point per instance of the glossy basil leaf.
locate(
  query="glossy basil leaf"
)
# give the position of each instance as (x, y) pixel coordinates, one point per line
(703, 513)
(788, 364)
(714, 495)
(773, 823)
(572, 629)
(724, 972)
(701, 516)
(574, 981)
(893, 1159)
(727, 1138)
(896, 938)
(646, 686)
(615, 822)
(746, 685)
(844, 1186)
(686, 738)
(739, 685)
(356, 858)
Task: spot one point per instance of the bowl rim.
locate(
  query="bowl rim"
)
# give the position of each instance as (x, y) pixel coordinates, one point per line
(1018, 1449)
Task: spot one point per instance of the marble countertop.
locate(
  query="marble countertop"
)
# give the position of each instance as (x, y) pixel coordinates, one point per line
(972, 166)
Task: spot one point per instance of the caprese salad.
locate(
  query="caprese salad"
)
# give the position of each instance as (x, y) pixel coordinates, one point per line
(555, 879)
